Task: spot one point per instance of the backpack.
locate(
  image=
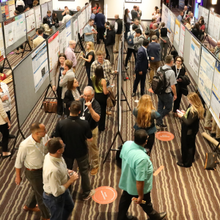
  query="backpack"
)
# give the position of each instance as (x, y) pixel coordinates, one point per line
(159, 82)
(131, 39)
(147, 30)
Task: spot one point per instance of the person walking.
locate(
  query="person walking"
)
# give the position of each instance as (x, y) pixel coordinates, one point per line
(100, 24)
(110, 41)
(118, 32)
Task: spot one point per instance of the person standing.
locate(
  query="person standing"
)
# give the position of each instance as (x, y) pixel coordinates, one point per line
(134, 13)
(127, 22)
(138, 39)
(100, 24)
(165, 100)
(180, 16)
(118, 32)
(136, 177)
(154, 51)
(91, 112)
(66, 18)
(145, 114)
(89, 59)
(139, 13)
(109, 42)
(70, 55)
(141, 66)
(89, 31)
(100, 87)
(76, 130)
(190, 127)
(55, 83)
(93, 14)
(57, 179)
(38, 40)
(31, 154)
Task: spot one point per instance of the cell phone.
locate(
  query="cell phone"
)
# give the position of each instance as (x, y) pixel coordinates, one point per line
(179, 111)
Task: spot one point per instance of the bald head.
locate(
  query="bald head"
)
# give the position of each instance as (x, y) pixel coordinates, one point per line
(185, 8)
(116, 16)
(72, 44)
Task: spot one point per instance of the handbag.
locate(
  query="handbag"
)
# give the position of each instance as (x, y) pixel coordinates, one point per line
(111, 101)
(50, 106)
(211, 159)
(2, 76)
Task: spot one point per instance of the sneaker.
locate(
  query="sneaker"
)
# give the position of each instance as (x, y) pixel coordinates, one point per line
(133, 94)
(127, 67)
(108, 112)
(94, 171)
(92, 192)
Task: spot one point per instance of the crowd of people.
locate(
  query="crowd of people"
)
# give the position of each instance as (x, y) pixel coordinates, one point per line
(49, 162)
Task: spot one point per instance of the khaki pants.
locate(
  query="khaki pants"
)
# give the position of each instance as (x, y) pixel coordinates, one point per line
(93, 149)
(153, 68)
(215, 129)
(117, 39)
(208, 118)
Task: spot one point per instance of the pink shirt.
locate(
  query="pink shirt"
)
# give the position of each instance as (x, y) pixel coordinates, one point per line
(70, 55)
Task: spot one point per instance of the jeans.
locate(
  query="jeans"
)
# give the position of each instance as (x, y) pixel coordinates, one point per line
(5, 133)
(139, 78)
(83, 163)
(60, 207)
(117, 40)
(165, 102)
(125, 202)
(164, 47)
(88, 75)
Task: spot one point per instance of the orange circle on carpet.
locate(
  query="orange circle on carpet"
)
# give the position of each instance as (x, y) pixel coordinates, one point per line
(164, 136)
(150, 90)
(105, 195)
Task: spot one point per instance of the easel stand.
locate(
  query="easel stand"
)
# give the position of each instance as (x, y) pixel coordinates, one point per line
(9, 65)
(45, 96)
(80, 44)
(25, 44)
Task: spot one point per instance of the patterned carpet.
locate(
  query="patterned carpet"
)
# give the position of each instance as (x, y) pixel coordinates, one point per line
(185, 194)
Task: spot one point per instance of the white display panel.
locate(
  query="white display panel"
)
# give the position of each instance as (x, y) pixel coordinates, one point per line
(44, 9)
(177, 35)
(75, 30)
(40, 66)
(206, 71)
(68, 32)
(54, 50)
(181, 42)
(37, 16)
(215, 98)
(30, 20)
(62, 41)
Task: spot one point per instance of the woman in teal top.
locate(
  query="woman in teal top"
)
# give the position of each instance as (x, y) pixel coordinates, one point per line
(100, 87)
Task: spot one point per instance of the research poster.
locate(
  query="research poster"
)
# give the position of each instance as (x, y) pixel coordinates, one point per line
(62, 41)
(54, 49)
(216, 32)
(75, 30)
(194, 55)
(68, 32)
(30, 19)
(211, 25)
(11, 8)
(181, 42)
(169, 19)
(80, 24)
(2, 50)
(177, 33)
(37, 16)
(50, 5)
(172, 26)
(215, 99)
(40, 66)
(14, 29)
(206, 71)
(44, 10)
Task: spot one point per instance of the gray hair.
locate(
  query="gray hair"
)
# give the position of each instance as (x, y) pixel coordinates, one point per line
(154, 37)
(90, 89)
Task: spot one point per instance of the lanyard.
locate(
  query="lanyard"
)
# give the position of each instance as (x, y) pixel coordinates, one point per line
(84, 109)
(177, 72)
(39, 150)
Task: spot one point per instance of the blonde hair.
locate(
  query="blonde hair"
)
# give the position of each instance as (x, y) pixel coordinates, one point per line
(100, 52)
(196, 104)
(145, 106)
(91, 44)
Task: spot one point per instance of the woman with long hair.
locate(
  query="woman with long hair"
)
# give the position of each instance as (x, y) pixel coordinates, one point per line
(100, 87)
(127, 22)
(89, 58)
(145, 114)
(190, 127)
(72, 94)
(55, 82)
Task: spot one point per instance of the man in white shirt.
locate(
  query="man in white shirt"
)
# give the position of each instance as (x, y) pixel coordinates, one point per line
(89, 31)
(193, 20)
(66, 17)
(137, 22)
(70, 55)
(37, 41)
(31, 155)
(57, 179)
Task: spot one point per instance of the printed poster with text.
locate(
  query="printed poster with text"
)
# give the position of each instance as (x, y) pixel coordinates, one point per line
(215, 100)
(177, 33)
(206, 71)
(62, 41)
(68, 32)
(194, 55)
(37, 16)
(75, 30)
(181, 42)
(54, 49)
(30, 18)
(40, 66)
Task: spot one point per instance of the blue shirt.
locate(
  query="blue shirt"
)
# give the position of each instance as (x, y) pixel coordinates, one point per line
(88, 29)
(180, 18)
(136, 166)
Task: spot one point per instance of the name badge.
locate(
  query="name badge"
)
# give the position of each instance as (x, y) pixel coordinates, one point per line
(82, 118)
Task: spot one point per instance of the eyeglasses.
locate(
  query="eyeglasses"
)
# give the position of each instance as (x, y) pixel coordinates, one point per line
(86, 95)
(179, 60)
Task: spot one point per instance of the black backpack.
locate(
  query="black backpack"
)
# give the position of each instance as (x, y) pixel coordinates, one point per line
(131, 39)
(159, 83)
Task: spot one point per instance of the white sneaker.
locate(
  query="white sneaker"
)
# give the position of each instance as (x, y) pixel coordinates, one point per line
(92, 192)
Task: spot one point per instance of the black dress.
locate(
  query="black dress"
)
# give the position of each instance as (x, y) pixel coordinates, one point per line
(190, 127)
(59, 95)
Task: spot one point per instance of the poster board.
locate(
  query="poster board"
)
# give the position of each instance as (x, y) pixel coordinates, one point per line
(4, 11)
(50, 6)
(215, 97)
(80, 24)
(11, 8)
(62, 39)
(2, 48)
(44, 10)
(68, 32)
(205, 13)
(14, 32)
(177, 35)
(38, 19)
(53, 50)
(192, 52)
(75, 30)
(206, 72)
(26, 96)
(30, 22)
(214, 25)
(181, 42)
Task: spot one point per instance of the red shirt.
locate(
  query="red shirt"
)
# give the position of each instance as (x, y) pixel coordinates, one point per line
(97, 10)
(202, 27)
(151, 25)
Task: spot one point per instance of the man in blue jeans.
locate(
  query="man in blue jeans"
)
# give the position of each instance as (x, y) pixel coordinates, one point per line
(165, 101)
(56, 195)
